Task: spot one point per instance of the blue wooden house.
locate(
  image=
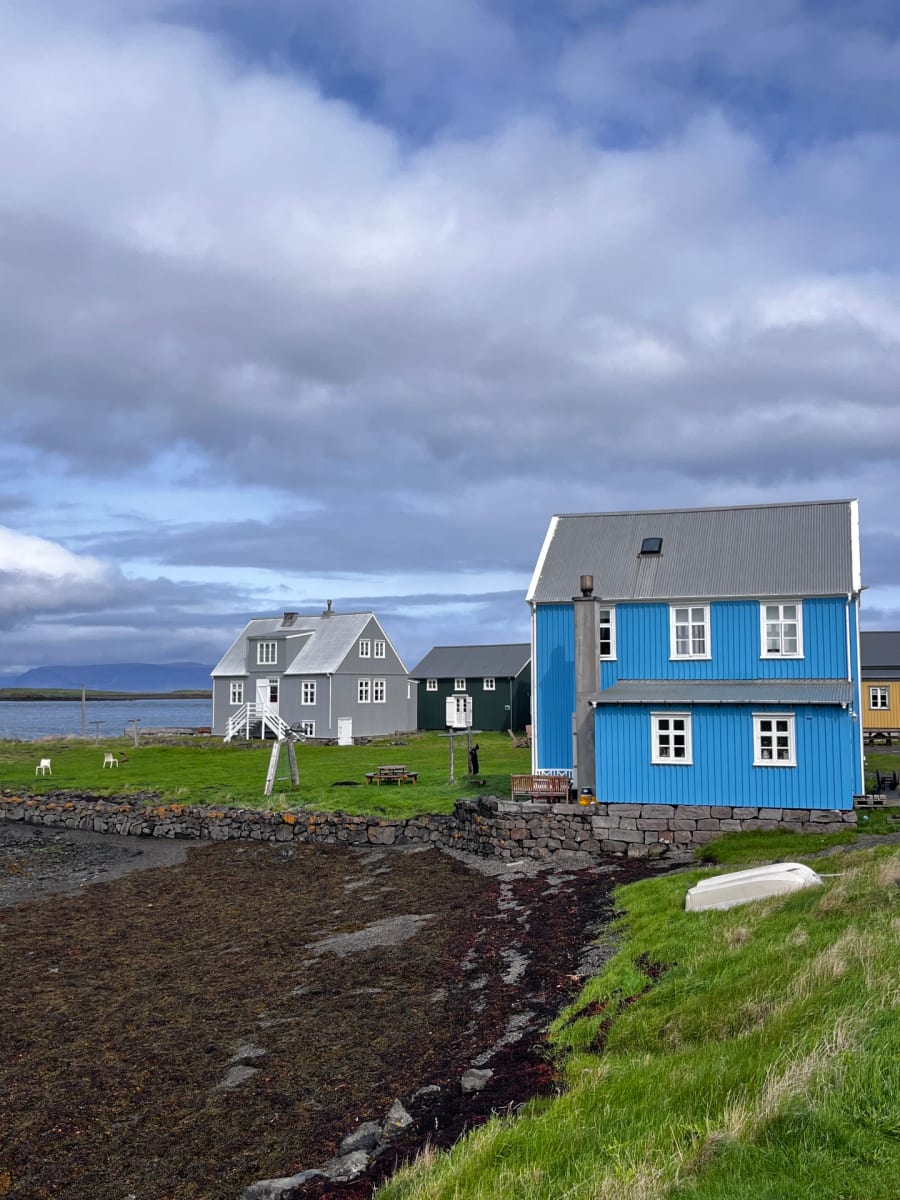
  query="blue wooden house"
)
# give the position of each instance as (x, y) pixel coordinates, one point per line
(701, 656)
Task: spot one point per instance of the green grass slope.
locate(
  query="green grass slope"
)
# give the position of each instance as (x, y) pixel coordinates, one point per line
(205, 771)
(719, 1056)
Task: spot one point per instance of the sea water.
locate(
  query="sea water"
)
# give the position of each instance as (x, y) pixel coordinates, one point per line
(28, 720)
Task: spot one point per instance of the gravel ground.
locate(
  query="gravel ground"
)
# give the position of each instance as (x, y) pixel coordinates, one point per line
(37, 861)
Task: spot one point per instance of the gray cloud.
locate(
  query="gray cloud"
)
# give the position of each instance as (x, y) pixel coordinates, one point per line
(424, 347)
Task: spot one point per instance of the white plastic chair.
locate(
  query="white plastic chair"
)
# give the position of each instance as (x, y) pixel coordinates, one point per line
(110, 760)
(43, 767)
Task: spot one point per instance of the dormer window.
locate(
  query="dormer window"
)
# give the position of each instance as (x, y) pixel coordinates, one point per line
(266, 653)
(651, 545)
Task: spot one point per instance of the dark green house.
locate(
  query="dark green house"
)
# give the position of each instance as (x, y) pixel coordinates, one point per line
(498, 678)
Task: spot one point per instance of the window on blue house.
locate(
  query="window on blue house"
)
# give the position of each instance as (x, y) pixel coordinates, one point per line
(606, 632)
(782, 630)
(671, 738)
(774, 744)
(689, 631)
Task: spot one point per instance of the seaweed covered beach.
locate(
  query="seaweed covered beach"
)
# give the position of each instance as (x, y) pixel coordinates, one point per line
(180, 1031)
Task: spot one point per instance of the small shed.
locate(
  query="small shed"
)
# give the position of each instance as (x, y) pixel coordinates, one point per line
(496, 677)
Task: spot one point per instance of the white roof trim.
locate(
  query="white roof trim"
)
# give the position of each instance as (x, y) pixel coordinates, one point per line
(535, 578)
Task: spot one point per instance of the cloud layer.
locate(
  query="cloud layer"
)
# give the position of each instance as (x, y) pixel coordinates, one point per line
(410, 279)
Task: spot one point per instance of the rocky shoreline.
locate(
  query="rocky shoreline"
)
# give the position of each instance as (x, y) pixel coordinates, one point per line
(522, 950)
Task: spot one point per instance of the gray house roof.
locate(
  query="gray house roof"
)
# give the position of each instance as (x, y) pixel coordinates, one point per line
(764, 550)
(880, 654)
(476, 662)
(318, 644)
(792, 691)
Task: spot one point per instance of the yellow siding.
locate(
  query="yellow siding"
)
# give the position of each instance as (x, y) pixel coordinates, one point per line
(881, 718)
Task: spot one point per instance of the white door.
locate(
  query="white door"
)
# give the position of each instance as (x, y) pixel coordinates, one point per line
(267, 693)
(345, 731)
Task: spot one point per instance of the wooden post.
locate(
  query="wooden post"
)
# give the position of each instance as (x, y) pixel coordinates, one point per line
(292, 762)
(273, 767)
(83, 711)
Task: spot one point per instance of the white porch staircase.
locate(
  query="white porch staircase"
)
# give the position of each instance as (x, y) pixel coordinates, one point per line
(248, 714)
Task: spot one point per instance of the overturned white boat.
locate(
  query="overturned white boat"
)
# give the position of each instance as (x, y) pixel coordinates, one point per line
(724, 891)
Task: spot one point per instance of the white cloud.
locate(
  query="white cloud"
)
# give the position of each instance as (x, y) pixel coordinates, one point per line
(376, 351)
(39, 576)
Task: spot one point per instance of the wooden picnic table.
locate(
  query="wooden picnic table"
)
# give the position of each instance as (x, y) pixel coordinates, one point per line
(392, 773)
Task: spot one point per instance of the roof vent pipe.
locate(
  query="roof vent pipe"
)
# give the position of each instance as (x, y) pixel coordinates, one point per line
(587, 585)
(327, 612)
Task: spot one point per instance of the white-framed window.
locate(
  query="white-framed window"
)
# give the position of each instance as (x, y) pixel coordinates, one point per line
(489, 684)
(308, 691)
(364, 691)
(774, 742)
(365, 648)
(879, 697)
(689, 631)
(379, 691)
(273, 691)
(430, 685)
(606, 632)
(266, 653)
(237, 691)
(378, 649)
(459, 685)
(671, 739)
(781, 629)
(308, 728)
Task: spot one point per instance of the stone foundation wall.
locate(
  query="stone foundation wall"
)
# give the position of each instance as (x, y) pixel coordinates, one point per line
(487, 826)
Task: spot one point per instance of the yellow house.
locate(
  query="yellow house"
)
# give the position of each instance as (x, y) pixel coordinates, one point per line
(880, 655)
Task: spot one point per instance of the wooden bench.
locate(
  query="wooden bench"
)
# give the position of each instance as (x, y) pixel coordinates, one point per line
(392, 774)
(880, 737)
(540, 787)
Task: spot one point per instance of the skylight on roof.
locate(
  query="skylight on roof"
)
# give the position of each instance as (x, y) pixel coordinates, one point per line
(651, 545)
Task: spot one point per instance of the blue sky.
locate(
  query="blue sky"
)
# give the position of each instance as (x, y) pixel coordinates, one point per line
(311, 300)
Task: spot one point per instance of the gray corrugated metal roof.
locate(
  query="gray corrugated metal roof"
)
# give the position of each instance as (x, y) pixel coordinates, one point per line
(758, 550)
(332, 641)
(743, 691)
(880, 648)
(449, 662)
(324, 651)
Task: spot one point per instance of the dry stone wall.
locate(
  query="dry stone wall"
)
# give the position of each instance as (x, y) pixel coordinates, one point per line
(488, 826)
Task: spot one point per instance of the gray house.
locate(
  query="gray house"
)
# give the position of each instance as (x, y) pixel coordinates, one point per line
(498, 678)
(336, 675)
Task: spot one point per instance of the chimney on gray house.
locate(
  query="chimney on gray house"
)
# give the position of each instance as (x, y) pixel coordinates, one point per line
(326, 612)
(290, 618)
(586, 683)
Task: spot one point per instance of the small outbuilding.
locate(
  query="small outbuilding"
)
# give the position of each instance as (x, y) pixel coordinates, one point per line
(497, 678)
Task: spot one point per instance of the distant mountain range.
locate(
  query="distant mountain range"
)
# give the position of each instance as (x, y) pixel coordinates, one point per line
(120, 677)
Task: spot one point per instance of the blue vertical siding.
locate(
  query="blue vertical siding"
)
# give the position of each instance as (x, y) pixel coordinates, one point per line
(857, 748)
(554, 673)
(722, 771)
(642, 644)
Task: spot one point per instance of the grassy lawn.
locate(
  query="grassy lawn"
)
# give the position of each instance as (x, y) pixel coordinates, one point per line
(719, 1055)
(205, 771)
